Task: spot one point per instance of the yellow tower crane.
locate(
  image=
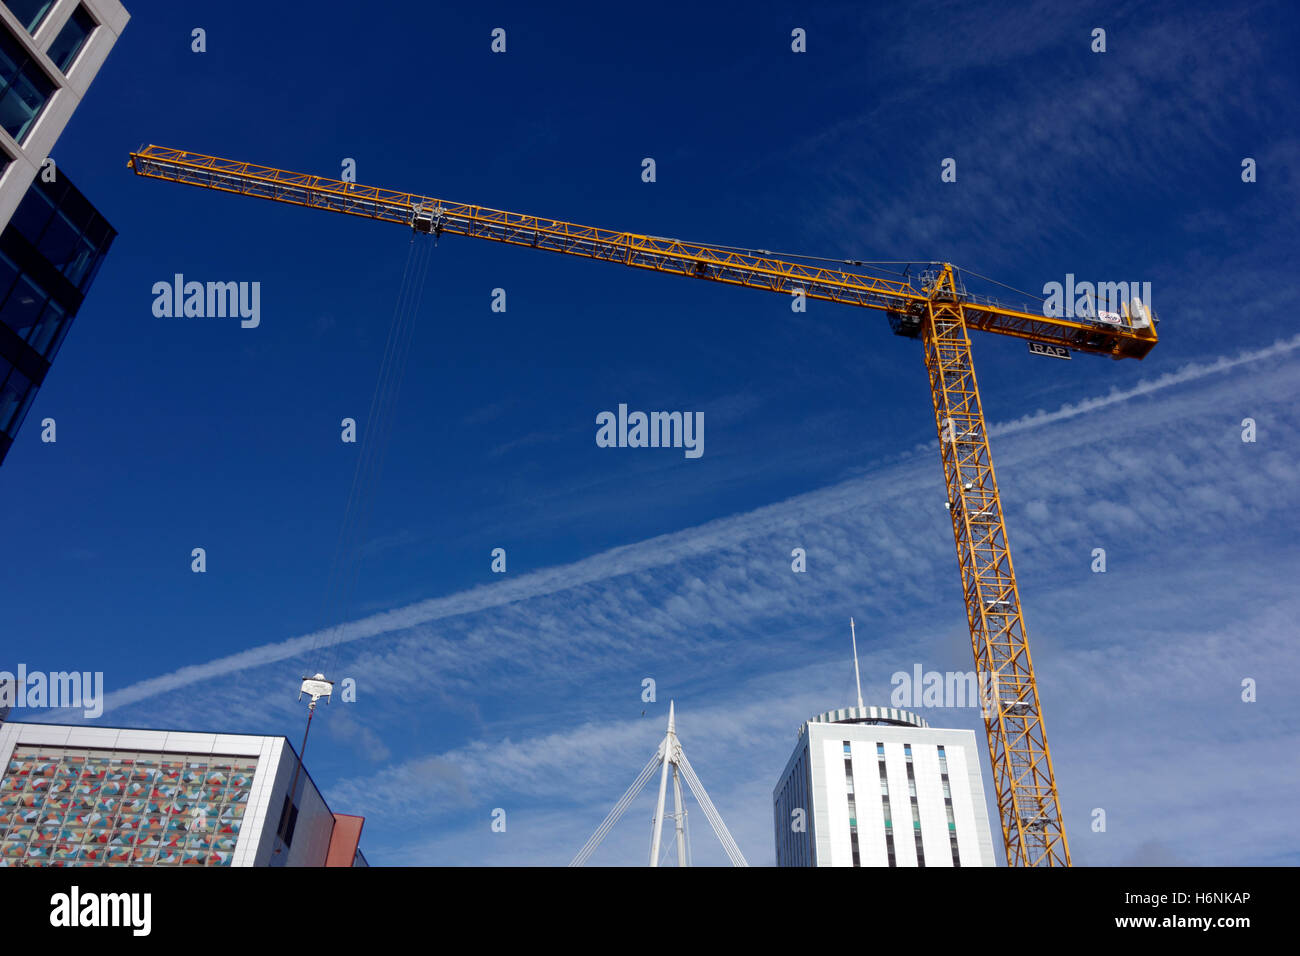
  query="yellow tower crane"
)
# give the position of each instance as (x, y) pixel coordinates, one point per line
(935, 307)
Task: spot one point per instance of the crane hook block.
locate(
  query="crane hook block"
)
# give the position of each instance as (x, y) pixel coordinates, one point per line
(316, 688)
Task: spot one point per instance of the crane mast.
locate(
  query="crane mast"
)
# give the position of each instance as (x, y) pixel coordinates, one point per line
(937, 309)
(1024, 781)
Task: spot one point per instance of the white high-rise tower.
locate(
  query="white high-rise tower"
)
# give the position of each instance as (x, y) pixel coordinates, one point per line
(877, 786)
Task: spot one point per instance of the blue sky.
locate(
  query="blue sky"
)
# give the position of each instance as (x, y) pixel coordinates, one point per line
(523, 691)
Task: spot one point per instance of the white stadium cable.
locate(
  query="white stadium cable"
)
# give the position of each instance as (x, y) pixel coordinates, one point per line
(711, 812)
(720, 828)
(644, 777)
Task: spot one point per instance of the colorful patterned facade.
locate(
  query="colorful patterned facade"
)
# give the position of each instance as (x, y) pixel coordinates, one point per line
(62, 806)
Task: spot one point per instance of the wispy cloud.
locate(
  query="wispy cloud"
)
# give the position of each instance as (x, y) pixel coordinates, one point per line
(792, 517)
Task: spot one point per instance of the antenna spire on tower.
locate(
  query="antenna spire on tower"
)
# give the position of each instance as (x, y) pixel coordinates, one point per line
(857, 676)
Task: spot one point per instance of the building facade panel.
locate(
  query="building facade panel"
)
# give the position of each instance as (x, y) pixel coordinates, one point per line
(974, 839)
(837, 804)
(82, 806)
(872, 850)
(95, 796)
(936, 842)
(900, 804)
(792, 813)
(820, 813)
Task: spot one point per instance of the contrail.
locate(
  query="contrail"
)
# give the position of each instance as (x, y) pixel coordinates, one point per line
(654, 552)
(1188, 373)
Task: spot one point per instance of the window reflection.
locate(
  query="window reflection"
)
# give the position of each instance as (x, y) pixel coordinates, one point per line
(24, 88)
(63, 51)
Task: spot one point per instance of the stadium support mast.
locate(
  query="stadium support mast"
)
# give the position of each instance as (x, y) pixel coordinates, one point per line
(669, 756)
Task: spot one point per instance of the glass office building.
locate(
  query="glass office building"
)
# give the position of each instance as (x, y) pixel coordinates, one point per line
(49, 255)
(50, 52)
(51, 239)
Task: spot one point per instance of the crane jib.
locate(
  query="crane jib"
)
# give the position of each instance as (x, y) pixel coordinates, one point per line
(903, 302)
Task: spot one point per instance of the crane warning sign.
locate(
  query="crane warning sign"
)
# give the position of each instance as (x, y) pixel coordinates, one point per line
(1044, 348)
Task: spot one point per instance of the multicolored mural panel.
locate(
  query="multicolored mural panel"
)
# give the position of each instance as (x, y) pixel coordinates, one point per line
(79, 807)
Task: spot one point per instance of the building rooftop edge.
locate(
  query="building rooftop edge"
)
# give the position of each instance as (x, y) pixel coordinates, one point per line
(170, 730)
(860, 715)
